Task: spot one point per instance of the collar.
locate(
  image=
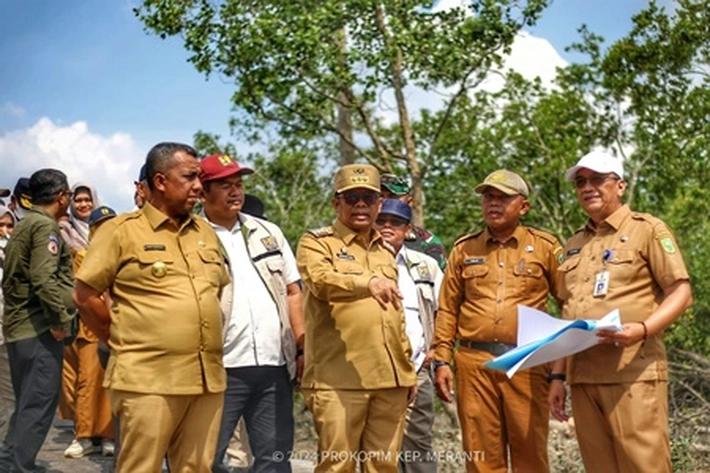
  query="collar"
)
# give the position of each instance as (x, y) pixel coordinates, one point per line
(40, 210)
(518, 235)
(156, 218)
(348, 235)
(614, 220)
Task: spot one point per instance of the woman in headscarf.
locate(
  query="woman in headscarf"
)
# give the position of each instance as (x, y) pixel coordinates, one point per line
(7, 397)
(75, 229)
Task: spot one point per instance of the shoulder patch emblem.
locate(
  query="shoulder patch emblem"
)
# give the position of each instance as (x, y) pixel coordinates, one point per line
(321, 232)
(667, 244)
(423, 272)
(53, 245)
(269, 243)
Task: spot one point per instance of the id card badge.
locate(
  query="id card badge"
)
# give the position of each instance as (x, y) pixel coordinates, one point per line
(601, 284)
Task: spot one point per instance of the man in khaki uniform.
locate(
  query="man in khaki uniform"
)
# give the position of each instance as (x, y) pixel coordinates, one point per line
(164, 271)
(358, 376)
(488, 274)
(627, 261)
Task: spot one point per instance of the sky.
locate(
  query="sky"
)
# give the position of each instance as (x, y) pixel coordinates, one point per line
(84, 89)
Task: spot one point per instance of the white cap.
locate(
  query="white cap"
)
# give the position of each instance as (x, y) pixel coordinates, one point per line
(597, 161)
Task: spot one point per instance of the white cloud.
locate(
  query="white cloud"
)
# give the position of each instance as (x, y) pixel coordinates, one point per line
(109, 163)
(12, 110)
(530, 56)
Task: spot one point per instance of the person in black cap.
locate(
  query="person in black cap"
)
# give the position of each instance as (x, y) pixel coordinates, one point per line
(37, 285)
(21, 200)
(92, 411)
(418, 239)
(142, 194)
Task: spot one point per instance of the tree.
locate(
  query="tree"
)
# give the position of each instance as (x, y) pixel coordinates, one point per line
(307, 68)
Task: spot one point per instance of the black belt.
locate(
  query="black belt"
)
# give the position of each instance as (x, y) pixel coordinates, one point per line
(496, 349)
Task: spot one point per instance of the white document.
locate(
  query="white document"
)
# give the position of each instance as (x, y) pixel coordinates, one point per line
(543, 338)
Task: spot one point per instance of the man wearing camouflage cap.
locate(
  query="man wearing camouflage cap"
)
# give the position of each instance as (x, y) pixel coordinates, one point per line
(358, 377)
(418, 239)
(488, 274)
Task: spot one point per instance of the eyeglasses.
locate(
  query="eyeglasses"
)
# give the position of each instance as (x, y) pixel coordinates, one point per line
(394, 222)
(595, 179)
(352, 198)
(68, 193)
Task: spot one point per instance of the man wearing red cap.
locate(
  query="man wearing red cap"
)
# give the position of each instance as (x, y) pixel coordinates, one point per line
(263, 321)
(164, 270)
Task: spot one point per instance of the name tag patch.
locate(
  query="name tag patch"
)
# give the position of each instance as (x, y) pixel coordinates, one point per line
(470, 261)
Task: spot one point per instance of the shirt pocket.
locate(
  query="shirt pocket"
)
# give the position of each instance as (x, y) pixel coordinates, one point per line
(621, 267)
(530, 275)
(343, 266)
(390, 272)
(474, 278)
(569, 277)
(211, 265)
(276, 272)
(154, 265)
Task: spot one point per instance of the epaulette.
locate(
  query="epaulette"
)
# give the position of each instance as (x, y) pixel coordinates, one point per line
(548, 237)
(124, 217)
(646, 217)
(467, 237)
(322, 231)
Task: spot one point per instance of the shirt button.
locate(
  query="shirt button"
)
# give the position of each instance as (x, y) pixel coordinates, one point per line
(499, 301)
(586, 279)
(500, 283)
(501, 264)
(497, 321)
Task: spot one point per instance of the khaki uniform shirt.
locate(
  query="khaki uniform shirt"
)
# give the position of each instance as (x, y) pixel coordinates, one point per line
(164, 282)
(351, 342)
(643, 260)
(484, 282)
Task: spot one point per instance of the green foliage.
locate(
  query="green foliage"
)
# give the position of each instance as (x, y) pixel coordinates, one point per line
(299, 66)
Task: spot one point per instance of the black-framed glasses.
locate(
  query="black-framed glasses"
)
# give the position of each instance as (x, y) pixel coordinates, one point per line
(394, 222)
(596, 180)
(352, 198)
(68, 193)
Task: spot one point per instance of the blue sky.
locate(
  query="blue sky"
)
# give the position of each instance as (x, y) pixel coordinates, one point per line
(83, 88)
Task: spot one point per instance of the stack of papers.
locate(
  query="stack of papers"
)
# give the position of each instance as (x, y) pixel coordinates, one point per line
(543, 338)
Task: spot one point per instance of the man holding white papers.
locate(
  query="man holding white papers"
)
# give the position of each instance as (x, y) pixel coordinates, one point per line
(627, 261)
(488, 274)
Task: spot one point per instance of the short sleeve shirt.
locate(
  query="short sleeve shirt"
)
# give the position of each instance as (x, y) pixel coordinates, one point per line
(164, 282)
(640, 255)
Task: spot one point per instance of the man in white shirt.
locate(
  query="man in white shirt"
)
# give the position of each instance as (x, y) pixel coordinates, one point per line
(263, 321)
(419, 282)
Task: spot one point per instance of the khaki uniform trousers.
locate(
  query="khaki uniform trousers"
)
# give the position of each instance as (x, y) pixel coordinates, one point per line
(185, 427)
(622, 428)
(358, 426)
(92, 416)
(497, 413)
(70, 373)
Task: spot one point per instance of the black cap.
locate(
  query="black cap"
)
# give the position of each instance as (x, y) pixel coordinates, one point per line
(253, 206)
(143, 174)
(22, 192)
(100, 214)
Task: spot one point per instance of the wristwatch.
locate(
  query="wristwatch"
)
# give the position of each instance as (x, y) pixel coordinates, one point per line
(556, 376)
(436, 364)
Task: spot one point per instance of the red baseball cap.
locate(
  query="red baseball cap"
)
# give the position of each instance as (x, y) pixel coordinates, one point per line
(217, 166)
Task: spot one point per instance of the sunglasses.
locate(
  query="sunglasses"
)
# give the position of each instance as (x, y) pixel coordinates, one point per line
(596, 180)
(352, 198)
(394, 222)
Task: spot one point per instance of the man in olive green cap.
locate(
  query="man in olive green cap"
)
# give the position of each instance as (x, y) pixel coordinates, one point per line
(358, 377)
(488, 274)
